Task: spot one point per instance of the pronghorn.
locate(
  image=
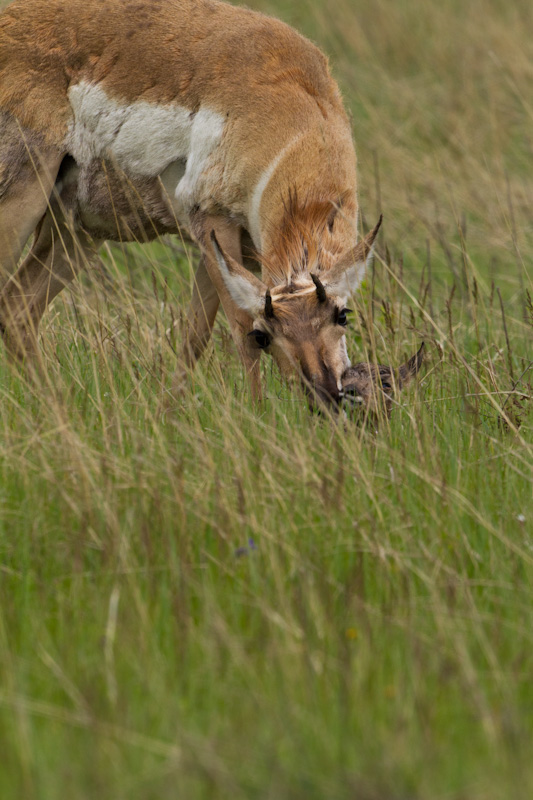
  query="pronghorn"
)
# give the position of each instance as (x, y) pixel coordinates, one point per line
(125, 119)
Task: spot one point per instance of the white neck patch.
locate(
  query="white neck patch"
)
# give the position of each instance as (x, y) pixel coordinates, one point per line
(254, 218)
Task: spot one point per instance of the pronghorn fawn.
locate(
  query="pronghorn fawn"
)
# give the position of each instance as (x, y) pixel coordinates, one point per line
(126, 119)
(370, 390)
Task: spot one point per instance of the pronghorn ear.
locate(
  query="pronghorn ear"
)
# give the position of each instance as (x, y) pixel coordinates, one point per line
(347, 274)
(246, 291)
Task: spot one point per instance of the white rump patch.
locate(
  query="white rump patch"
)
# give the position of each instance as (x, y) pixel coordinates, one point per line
(143, 138)
(206, 133)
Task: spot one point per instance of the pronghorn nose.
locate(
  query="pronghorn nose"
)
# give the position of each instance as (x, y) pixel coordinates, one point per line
(323, 390)
(320, 384)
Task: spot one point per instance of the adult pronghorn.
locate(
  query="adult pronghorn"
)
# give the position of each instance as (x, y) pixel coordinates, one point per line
(126, 119)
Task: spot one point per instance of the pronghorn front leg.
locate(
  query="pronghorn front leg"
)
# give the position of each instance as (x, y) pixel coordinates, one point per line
(209, 291)
(200, 320)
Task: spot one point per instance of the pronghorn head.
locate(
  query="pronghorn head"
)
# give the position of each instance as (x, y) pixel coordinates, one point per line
(302, 324)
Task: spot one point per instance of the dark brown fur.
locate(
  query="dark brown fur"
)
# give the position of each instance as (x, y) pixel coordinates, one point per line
(372, 388)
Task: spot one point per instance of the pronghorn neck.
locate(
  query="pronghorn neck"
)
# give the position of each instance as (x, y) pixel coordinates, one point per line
(312, 234)
(304, 207)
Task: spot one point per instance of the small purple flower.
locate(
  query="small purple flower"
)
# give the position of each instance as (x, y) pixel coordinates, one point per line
(243, 551)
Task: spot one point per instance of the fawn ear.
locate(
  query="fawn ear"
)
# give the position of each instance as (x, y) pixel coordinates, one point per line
(246, 291)
(411, 367)
(347, 274)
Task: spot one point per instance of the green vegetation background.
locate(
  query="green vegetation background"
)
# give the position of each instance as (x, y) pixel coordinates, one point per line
(223, 602)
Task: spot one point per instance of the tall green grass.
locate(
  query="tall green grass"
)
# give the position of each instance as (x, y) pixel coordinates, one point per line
(229, 602)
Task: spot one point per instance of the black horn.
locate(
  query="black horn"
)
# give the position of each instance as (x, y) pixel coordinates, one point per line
(269, 308)
(320, 291)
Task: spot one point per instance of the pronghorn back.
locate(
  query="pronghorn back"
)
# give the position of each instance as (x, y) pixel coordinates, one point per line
(94, 78)
(159, 51)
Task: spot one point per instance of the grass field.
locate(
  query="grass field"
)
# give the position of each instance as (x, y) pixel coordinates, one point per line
(224, 602)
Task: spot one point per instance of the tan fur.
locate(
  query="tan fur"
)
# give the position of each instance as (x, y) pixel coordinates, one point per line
(283, 123)
(307, 344)
(192, 53)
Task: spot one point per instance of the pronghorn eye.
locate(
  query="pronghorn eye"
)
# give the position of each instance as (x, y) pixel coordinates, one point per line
(340, 316)
(262, 339)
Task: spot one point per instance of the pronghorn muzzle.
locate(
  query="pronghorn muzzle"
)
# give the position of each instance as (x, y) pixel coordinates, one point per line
(322, 391)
